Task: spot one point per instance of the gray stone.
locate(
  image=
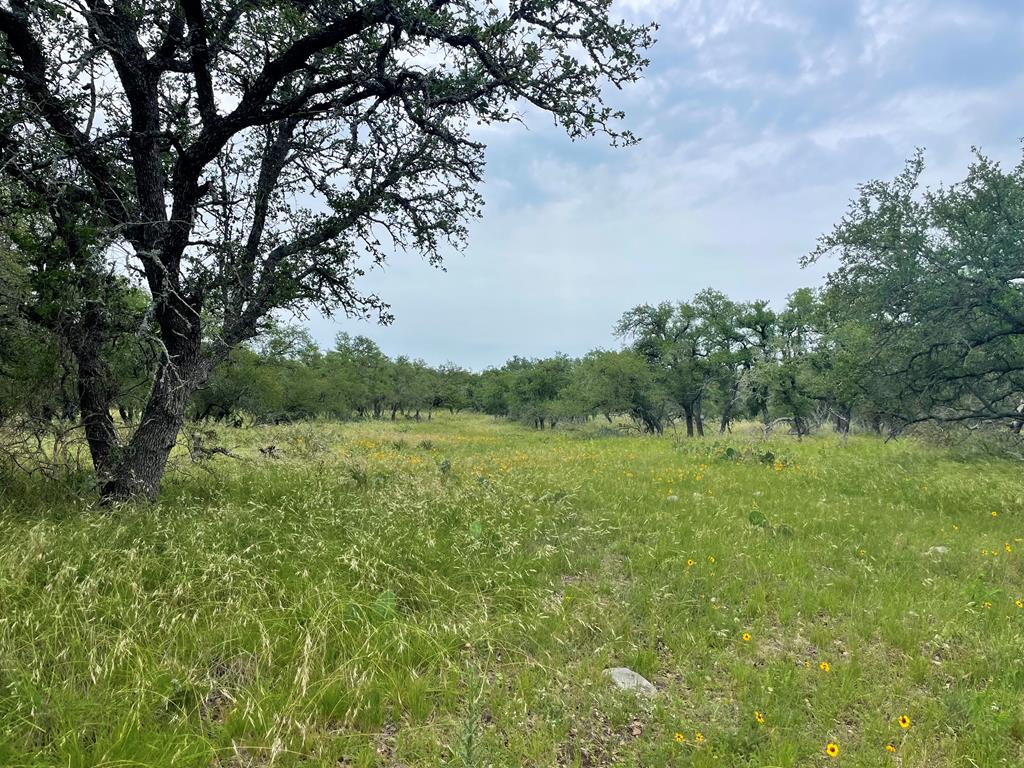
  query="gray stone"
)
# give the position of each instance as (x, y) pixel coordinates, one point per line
(937, 551)
(628, 680)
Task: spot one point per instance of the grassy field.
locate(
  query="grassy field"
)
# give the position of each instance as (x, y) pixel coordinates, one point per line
(450, 592)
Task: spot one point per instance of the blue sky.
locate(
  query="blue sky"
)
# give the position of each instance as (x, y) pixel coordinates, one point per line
(758, 118)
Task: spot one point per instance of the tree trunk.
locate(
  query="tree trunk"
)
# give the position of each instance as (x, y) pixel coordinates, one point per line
(95, 393)
(689, 421)
(140, 465)
(723, 425)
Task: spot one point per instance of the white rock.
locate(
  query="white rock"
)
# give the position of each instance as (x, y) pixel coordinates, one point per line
(628, 680)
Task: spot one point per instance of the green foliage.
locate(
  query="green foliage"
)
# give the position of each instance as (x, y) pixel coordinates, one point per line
(278, 608)
(927, 302)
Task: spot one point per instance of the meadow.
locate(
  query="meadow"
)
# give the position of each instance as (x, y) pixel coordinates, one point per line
(449, 592)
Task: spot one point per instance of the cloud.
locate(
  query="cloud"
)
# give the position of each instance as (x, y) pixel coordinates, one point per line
(759, 119)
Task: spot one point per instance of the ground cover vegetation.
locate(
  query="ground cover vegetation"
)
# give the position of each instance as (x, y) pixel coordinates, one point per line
(449, 592)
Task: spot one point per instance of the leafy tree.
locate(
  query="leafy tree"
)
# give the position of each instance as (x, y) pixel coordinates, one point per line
(614, 383)
(454, 388)
(670, 338)
(246, 155)
(929, 293)
(536, 388)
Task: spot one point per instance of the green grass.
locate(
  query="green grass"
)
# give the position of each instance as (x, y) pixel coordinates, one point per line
(449, 592)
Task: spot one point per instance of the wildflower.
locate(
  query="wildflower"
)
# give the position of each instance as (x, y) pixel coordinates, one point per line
(698, 737)
(995, 514)
(832, 749)
(984, 553)
(1007, 547)
(904, 722)
(955, 528)
(759, 717)
(890, 748)
(711, 559)
(679, 738)
(690, 563)
(862, 552)
(986, 604)
(1019, 603)
(825, 666)
(746, 637)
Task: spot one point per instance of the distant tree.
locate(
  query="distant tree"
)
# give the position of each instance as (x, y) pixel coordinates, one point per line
(621, 383)
(492, 393)
(368, 369)
(670, 338)
(455, 387)
(536, 388)
(790, 379)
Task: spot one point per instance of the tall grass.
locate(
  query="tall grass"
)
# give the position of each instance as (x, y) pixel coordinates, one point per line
(449, 592)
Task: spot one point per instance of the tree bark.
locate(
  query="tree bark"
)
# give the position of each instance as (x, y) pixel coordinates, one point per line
(95, 393)
(1018, 423)
(182, 370)
(138, 472)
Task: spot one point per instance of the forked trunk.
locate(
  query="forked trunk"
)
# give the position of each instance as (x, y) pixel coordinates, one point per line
(142, 462)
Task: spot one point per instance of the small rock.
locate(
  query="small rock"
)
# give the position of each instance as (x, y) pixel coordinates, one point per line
(937, 551)
(628, 680)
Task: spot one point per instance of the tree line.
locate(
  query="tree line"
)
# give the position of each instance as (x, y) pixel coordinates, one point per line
(922, 319)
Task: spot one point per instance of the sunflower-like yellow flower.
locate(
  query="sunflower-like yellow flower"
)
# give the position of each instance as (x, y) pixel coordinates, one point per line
(825, 666)
(759, 717)
(746, 637)
(832, 749)
(904, 722)
(680, 738)
(698, 737)
(690, 563)
(890, 747)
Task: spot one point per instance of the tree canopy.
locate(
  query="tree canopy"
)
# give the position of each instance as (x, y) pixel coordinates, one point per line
(244, 157)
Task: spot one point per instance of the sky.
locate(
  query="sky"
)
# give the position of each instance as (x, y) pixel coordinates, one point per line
(758, 120)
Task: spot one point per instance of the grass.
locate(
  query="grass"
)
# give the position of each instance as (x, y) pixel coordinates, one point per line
(450, 592)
